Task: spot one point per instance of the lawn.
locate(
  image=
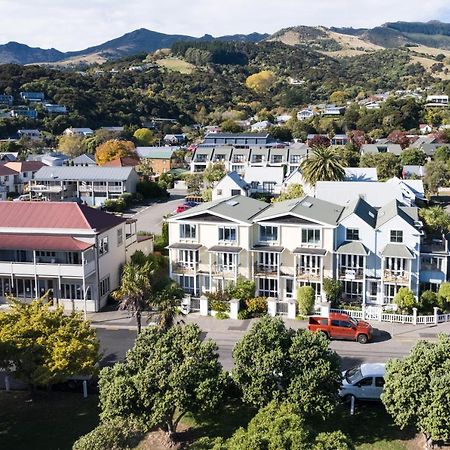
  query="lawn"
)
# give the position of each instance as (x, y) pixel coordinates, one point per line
(51, 421)
(177, 65)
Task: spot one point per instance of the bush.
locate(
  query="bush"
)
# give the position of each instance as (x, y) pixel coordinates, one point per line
(333, 290)
(118, 205)
(443, 297)
(115, 434)
(221, 315)
(405, 300)
(243, 314)
(243, 289)
(256, 306)
(428, 300)
(306, 298)
(219, 301)
(149, 189)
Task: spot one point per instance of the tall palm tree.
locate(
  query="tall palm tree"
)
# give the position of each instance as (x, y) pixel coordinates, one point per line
(167, 306)
(134, 291)
(324, 165)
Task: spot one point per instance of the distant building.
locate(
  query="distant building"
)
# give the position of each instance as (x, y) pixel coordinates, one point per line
(24, 112)
(437, 101)
(160, 159)
(305, 114)
(30, 134)
(6, 100)
(230, 185)
(78, 132)
(55, 109)
(237, 139)
(83, 160)
(174, 139)
(395, 149)
(33, 97)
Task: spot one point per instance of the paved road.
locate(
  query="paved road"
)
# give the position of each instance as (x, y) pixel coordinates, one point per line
(115, 342)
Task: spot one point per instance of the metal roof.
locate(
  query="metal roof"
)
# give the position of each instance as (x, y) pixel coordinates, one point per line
(267, 248)
(362, 209)
(82, 173)
(352, 248)
(225, 249)
(156, 152)
(397, 251)
(309, 251)
(185, 246)
(41, 242)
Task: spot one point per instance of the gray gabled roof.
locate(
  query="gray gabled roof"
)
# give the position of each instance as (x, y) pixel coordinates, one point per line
(352, 248)
(238, 208)
(362, 209)
(85, 158)
(81, 173)
(391, 210)
(397, 251)
(309, 208)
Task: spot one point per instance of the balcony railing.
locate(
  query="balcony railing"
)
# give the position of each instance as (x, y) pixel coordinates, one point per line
(396, 276)
(44, 188)
(351, 273)
(184, 267)
(47, 269)
(96, 188)
(223, 269)
(266, 269)
(310, 273)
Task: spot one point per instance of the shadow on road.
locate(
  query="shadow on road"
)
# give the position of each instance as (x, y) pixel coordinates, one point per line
(380, 336)
(347, 362)
(109, 360)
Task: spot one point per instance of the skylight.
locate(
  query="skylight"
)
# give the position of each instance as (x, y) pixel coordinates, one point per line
(306, 204)
(232, 203)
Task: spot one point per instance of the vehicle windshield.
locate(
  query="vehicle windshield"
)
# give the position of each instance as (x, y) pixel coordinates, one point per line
(353, 375)
(353, 321)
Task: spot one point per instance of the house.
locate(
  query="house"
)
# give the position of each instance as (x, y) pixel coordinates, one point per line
(6, 100)
(425, 128)
(395, 149)
(360, 174)
(160, 159)
(32, 97)
(53, 159)
(55, 109)
(8, 178)
(283, 118)
(305, 114)
(25, 171)
(339, 139)
(300, 242)
(85, 159)
(297, 153)
(71, 252)
(333, 110)
(174, 139)
(29, 113)
(437, 101)
(127, 161)
(92, 185)
(413, 171)
(30, 134)
(8, 156)
(78, 132)
(260, 126)
(376, 193)
(229, 186)
(237, 139)
(264, 180)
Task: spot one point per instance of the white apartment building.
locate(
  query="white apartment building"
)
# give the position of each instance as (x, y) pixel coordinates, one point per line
(72, 252)
(285, 245)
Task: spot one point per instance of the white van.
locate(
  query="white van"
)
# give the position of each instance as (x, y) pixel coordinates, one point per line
(364, 382)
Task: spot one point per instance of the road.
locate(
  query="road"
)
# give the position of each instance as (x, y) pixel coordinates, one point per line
(115, 343)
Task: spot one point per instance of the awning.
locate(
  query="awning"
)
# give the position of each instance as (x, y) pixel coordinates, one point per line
(225, 249)
(267, 248)
(185, 246)
(42, 242)
(353, 248)
(310, 251)
(397, 251)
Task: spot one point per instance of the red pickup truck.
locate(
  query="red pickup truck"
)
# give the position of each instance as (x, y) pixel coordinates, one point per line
(342, 326)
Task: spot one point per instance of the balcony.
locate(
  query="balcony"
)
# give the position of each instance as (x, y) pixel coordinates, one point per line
(47, 269)
(224, 269)
(182, 267)
(56, 189)
(351, 273)
(310, 273)
(396, 276)
(266, 269)
(97, 188)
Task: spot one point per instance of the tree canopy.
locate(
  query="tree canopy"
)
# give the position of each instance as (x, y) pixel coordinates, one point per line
(294, 190)
(113, 149)
(323, 165)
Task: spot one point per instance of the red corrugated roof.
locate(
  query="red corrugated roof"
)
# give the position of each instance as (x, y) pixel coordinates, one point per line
(4, 170)
(126, 161)
(41, 242)
(25, 166)
(55, 215)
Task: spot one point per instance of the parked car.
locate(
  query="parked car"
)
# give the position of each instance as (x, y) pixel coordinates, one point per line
(182, 208)
(364, 382)
(342, 326)
(191, 203)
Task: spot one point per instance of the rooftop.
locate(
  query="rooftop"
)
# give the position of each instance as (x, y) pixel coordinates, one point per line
(81, 173)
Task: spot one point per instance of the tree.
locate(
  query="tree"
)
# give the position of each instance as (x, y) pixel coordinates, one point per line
(387, 164)
(43, 346)
(319, 141)
(338, 97)
(294, 190)
(214, 172)
(134, 290)
(243, 290)
(306, 298)
(436, 219)
(399, 137)
(231, 126)
(350, 157)
(167, 305)
(405, 300)
(71, 146)
(261, 81)
(442, 154)
(207, 195)
(357, 138)
(443, 296)
(417, 389)
(164, 376)
(194, 183)
(413, 157)
(436, 175)
(272, 362)
(144, 137)
(323, 165)
(333, 290)
(113, 149)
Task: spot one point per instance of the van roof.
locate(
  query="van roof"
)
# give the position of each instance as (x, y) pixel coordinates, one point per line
(376, 369)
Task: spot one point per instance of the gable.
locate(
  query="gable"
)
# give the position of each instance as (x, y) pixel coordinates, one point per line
(289, 220)
(208, 218)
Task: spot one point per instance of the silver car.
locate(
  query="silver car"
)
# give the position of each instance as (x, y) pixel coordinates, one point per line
(364, 382)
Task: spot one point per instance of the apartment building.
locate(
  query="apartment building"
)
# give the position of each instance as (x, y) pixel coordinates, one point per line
(91, 185)
(285, 245)
(70, 251)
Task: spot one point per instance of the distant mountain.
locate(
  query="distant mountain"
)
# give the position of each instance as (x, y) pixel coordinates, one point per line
(137, 41)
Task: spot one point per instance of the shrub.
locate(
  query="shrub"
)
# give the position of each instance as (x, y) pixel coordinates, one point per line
(118, 205)
(405, 300)
(427, 301)
(256, 306)
(221, 315)
(333, 290)
(443, 300)
(306, 298)
(243, 314)
(219, 301)
(243, 289)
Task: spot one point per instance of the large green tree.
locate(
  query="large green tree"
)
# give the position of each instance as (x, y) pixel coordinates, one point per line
(324, 165)
(387, 164)
(437, 175)
(435, 219)
(43, 346)
(294, 190)
(164, 376)
(417, 389)
(214, 172)
(413, 157)
(273, 362)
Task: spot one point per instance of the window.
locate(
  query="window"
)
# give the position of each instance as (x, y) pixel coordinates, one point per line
(187, 231)
(295, 159)
(352, 234)
(104, 286)
(268, 233)
(289, 288)
(257, 159)
(366, 381)
(225, 261)
(103, 246)
(335, 323)
(119, 237)
(219, 191)
(239, 158)
(379, 381)
(227, 234)
(268, 287)
(311, 236)
(188, 258)
(268, 186)
(235, 192)
(396, 236)
(277, 159)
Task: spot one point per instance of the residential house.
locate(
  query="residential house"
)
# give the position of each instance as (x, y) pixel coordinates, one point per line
(285, 245)
(413, 172)
(92, 185)
(260, 126)
(8, 156)
(85, 160)
(127, 161)
(70, 252)
(264, 180)
(229, 186)
(21, 111)
(160, 159)
(360, 174)
(7, 181)
(30, 134)
(395, 149)
(305, 114)
(55, 109)
(297, 153)
(53, 159)
(237, 139)
(425, 128)
(33, 97)
(6, 100)
(339, 139)
(333, 110)
(175, 139)
(25, 171)
(78, 132)
(437, 101)
(283, 118)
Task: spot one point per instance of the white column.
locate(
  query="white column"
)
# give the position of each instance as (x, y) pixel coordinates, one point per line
(35, 274)
(236, 258)
(382, 280)
(294, 288)
(234, 308)
(210, 273)
(278, 259)
(292, 309)
(322, 294)
(272, 306)
(204, 309)
(364, 280)
(170, 263)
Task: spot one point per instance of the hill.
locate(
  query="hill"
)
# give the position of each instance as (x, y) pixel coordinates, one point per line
(13, 52)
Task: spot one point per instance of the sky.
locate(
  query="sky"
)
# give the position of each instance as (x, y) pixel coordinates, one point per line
(77, 24)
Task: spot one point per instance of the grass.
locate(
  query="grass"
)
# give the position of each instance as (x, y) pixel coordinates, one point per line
(51, 421)
(177, 65)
